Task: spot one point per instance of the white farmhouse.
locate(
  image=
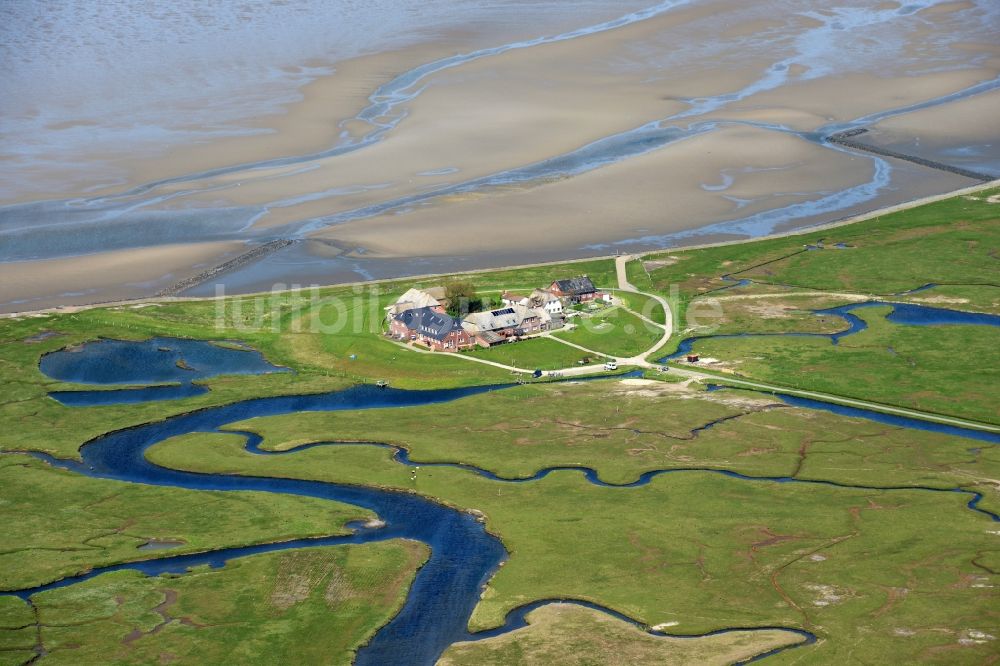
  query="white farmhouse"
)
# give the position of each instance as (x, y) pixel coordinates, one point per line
(547, 301)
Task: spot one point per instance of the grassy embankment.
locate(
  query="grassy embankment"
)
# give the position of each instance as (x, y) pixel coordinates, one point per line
(950, 242)
(941, 368)
(307, 606)
(522, 280)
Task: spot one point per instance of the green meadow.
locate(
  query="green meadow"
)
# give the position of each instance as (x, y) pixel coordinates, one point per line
(536, 353)
(60, 523)
(941, 369)
(872, 553)
(307, 606)
(677, 551)
(614, 331)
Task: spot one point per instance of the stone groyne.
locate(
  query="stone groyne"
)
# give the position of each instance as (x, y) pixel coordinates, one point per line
(255, 254)
(844, 139)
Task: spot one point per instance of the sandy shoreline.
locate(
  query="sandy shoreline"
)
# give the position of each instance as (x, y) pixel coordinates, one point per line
(70, 308)
(113, 276)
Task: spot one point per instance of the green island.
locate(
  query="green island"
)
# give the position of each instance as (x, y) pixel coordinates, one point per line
(316, 604)
(685, 523)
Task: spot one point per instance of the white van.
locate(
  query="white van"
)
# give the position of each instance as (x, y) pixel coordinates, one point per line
(611, 365)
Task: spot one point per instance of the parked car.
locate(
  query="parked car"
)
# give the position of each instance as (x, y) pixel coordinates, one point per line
(611, 365)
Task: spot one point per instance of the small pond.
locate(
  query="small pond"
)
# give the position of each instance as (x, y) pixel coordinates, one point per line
(162, 368)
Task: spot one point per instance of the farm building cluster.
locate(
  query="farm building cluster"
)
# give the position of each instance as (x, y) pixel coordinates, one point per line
(421, 315)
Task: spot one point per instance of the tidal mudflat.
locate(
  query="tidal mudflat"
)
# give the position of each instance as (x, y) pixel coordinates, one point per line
(479, 140)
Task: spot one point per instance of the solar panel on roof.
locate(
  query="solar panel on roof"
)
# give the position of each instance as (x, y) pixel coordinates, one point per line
(497, 313)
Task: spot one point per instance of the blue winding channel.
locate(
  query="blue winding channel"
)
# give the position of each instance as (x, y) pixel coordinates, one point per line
(402, 456)
(902, 313)
(463, 554)
(445, 590)
(908, 314)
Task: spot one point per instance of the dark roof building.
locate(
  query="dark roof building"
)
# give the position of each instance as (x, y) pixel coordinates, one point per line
(578, 287)
(432, 327)
(428, 322)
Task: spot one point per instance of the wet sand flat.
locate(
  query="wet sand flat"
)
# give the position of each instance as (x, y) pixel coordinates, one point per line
(109, 276)
(965, 133)
(313, 263)
(522, 107)
(482, 118)
(658, 193)
(698, 116)
(667, 208)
